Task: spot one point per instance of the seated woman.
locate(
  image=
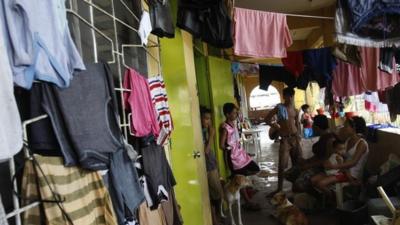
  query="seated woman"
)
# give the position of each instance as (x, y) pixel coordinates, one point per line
(314, 165)
(356, 153)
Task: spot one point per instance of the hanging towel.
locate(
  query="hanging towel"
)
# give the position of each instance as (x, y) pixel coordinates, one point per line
(85, 198)
(145, 28)
(349, 80)
(11, 128)
(139, 102)
(260, 34)
(41, 47)
(294, 62)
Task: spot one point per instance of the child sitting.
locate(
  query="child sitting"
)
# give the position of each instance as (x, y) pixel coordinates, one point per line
(340, 176)
(307, 121)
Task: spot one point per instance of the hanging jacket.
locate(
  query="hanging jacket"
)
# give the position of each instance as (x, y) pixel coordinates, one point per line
(208, 20)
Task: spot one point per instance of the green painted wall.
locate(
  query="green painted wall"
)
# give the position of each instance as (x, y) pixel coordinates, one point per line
(188, 189)
(221, 84)
(202, 79)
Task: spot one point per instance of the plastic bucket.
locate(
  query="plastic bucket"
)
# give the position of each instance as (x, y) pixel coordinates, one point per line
(353, 213)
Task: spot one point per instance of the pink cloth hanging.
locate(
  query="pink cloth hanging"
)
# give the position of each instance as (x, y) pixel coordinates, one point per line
(138, 100)
(349, 80)
(260, 34)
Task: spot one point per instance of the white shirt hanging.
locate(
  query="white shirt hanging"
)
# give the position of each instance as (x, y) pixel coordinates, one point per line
(145, 27)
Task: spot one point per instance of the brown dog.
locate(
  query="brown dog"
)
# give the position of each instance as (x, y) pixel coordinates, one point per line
(286, 212)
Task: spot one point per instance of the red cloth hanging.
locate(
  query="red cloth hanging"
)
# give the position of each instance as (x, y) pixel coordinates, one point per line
(294, 63)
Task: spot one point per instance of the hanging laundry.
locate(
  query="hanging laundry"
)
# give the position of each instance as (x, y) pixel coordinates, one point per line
(321, 61)
(376, 19)
(349, 80)
(275, 73)
(159, 178)
(373, 104)
(123, 183)
(145, 28)
(208, 20)
(83, 197)
(151, 217)
(138, 101)
(161, 18)
(11, 129)
(347, 53)
(359, 23)
(41, 47)
(294, 62)
(244, 68)
(387, 55)
(160, 101)
(308, 75)
(260, 34)
(85, 117)
(171, 210)
(236, 92)
(393, 101)
(3, 219)
(382, 96)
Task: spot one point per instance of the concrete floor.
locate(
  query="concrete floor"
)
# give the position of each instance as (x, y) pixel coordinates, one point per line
(269, 162)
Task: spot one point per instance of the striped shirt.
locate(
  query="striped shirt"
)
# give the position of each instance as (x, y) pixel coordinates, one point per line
(160, 101)
(86, 199)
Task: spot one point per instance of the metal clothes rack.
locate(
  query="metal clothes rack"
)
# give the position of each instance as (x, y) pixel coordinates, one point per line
(118, 59)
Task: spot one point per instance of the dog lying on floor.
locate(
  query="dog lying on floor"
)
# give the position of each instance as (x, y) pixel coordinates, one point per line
(232, 195)
(286, 212)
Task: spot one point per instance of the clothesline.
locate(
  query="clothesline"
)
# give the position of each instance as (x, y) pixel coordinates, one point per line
(310, 16)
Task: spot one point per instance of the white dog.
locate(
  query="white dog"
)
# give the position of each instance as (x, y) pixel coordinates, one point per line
(232, 194)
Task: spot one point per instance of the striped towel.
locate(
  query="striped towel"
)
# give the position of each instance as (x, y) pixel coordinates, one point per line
(87, 200)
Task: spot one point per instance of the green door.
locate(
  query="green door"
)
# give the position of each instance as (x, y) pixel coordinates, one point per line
(187, 156)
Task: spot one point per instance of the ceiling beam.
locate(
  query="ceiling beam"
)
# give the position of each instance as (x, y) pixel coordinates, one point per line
(314, 39)
(298, 46)
(299, 23)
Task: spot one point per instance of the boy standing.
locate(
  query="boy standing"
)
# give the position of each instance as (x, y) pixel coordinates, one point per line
(288, 121)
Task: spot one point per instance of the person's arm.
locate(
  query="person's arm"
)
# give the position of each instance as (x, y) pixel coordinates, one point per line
(360, 151)
(297, 121)
(211, 134)
(222, 138)
(270, 115)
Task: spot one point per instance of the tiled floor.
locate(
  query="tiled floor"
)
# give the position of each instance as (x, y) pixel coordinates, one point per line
(268, 161)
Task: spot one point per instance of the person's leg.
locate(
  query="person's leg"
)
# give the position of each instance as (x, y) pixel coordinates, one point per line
(295, 151)
(283, 161)
(325, 183)
(317, 178)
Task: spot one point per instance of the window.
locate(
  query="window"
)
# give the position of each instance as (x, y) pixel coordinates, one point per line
(261, 99)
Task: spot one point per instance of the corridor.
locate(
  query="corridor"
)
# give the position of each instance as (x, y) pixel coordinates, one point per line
(268, 162)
